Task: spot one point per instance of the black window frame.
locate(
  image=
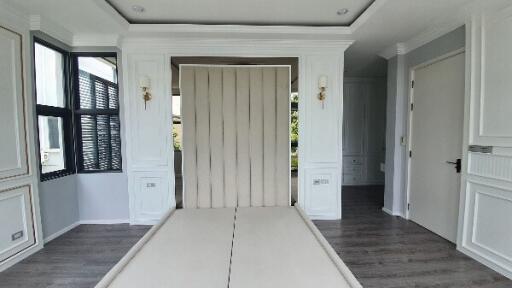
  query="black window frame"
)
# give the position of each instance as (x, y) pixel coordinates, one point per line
(77, 111)
(65, 113)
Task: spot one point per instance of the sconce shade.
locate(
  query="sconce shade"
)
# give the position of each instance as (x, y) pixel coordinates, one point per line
(322, 81)
(144, 82)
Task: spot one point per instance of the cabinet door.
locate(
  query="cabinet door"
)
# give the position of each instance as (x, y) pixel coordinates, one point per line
(353, 119)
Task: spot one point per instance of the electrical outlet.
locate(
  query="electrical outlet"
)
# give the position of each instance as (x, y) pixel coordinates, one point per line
(17, 235)
(320, 181)
(150, 185)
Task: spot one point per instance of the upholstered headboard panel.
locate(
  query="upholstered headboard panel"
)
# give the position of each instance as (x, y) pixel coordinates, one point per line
(236, 148)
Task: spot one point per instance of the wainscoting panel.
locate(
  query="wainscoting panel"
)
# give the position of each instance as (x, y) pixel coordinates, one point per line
(489, 230)
(16, 221)
(322, 202)
(498, 167)
(151, 197)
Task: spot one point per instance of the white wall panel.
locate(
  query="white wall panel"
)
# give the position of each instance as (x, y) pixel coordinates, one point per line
(19, 195)
(491, 42)
(146, 120)
(151, 196)
(13, 154)
(16, 221)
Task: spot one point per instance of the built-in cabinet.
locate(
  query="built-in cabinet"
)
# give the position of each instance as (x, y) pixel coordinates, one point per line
(364, 131)
(20, 233)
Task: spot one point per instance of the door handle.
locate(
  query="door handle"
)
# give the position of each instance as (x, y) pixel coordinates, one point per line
(457, 163)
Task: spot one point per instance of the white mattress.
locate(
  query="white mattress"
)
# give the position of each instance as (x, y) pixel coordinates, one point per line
(249, 247)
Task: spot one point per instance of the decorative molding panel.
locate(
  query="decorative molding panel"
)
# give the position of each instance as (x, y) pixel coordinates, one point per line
(488, 230)
(490, 166)
(490, 86)
(149, 123)
(151, 197)
(16, 220)
(13, 147)
(324, 198)
(322, 119)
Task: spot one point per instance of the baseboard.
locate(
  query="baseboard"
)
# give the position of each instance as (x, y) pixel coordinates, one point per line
(104, 221)
(498, 268)
(387, 211)
(60, 232)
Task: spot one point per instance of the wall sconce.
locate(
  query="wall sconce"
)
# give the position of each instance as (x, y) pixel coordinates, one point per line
(322, 85)
(145, 84)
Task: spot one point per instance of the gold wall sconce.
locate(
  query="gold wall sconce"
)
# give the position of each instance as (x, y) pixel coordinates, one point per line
(322, 85)
(145, 85)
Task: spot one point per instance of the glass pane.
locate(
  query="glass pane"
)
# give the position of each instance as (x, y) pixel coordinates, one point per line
(49, 65)
(51, 143)
(98, 82)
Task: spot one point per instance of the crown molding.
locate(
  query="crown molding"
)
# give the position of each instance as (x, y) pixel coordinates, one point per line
(47, 26)
(367, 14)
(100, 40)
(393, 50)
(13, 18)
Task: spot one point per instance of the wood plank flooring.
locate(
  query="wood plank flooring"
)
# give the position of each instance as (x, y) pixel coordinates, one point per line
(381, 250)
(385, 251)
(78, 258)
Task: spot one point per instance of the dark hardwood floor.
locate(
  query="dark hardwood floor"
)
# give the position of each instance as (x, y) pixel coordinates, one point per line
(381, 250)
(79, 258)
(385, 251)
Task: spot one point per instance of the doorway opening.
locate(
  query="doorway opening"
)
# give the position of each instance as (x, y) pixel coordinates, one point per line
(364, 145)
(177, 101)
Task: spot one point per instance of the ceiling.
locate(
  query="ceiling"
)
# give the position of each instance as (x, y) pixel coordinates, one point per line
(246, 12)
(392, 22)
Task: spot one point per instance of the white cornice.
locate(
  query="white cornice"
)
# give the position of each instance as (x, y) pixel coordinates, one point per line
(105, 40)
(207, 46)
(427, 35)
(47, 26)
(13, 18)
(367, 14)
(242, 29)
(393, 50)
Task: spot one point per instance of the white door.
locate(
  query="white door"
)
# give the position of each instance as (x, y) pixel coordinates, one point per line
(436, 139)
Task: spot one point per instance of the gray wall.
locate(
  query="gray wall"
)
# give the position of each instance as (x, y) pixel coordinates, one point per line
(395, 191)
(93, 198)
(58, 200)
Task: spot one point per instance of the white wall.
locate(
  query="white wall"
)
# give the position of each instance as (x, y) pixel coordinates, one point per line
(19, 191)
(485, 226)
(149, 149)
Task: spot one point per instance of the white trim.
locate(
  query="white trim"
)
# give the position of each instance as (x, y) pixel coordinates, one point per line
(103, 221)
(61, 232)
(95, 40)
(425, 37)
(55, 30)
(243, 29)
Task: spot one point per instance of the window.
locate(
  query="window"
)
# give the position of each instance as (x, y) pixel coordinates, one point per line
(98, 129)
(54, 116)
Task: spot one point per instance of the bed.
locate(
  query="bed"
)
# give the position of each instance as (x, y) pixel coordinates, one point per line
(231, 247)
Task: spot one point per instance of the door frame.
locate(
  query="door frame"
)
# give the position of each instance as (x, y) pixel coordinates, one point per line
(410, 118)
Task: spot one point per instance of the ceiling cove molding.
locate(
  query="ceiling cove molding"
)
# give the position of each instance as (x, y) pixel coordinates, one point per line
(367, 14)
(227, 46)
(242, 29)
(393, 50)
(427, 35)
(56, 31)
(118, 18)
(99, 40)
(13, 18)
